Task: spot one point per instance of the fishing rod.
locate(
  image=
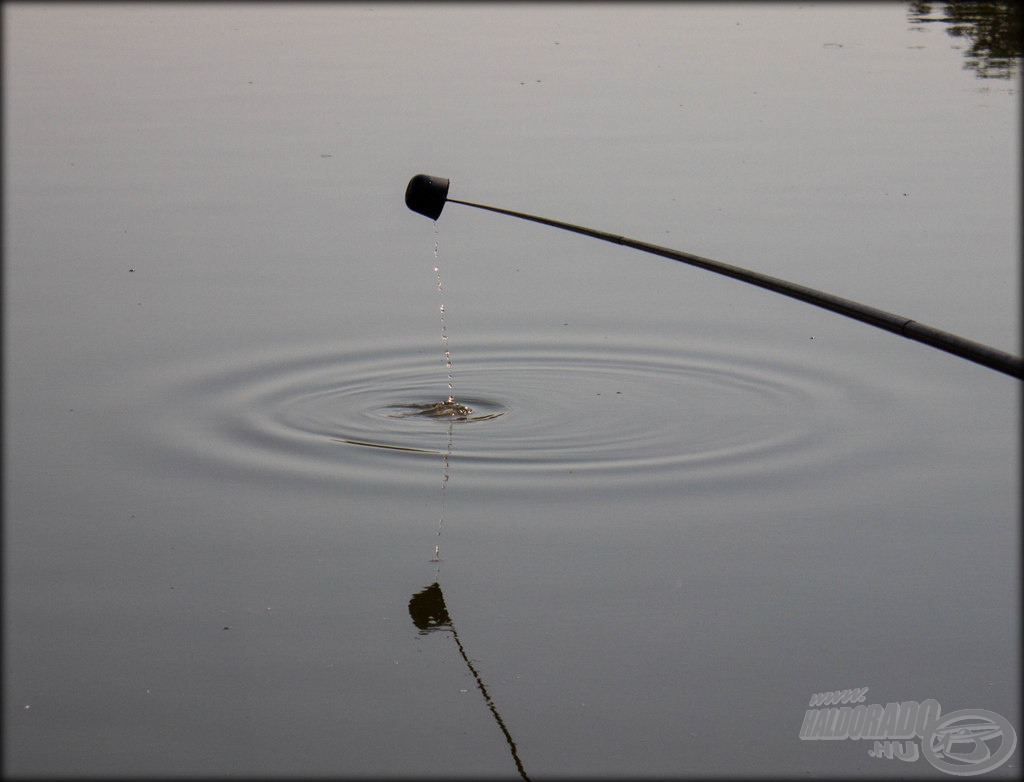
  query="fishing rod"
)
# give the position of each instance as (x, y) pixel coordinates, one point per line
(427, 195)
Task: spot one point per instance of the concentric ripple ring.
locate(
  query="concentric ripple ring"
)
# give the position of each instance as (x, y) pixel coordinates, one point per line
(526, 415)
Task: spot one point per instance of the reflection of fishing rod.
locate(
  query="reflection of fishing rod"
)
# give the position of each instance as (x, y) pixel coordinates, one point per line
(429, 613)
(427, 196)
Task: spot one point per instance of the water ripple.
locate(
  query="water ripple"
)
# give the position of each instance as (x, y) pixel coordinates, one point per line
(529, 415)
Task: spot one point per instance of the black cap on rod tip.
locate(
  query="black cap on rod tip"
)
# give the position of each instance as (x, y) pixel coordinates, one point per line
(427, 195)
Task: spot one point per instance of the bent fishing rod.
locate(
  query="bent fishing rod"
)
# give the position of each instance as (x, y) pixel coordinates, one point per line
(427, 195)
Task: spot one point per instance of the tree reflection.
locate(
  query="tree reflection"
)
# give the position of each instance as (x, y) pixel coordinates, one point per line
(993, 29)
(430, 614)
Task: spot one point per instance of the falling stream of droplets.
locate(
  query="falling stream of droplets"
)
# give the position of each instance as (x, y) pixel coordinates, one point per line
(451, 400)
(444, 329)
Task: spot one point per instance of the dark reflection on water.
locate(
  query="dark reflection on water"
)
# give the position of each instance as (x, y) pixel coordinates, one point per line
(993, 29)
(428, 610)
(429, 613)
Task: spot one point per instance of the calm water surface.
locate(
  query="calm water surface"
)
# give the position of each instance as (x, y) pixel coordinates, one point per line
(677, 506)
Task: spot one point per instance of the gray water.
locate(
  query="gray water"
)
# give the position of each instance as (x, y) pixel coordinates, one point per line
(680, 506)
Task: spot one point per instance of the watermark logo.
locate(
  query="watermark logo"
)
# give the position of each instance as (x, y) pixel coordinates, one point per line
(969, 742)
(963, 743)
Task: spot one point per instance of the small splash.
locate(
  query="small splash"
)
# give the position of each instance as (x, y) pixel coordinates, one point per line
(447, 409)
